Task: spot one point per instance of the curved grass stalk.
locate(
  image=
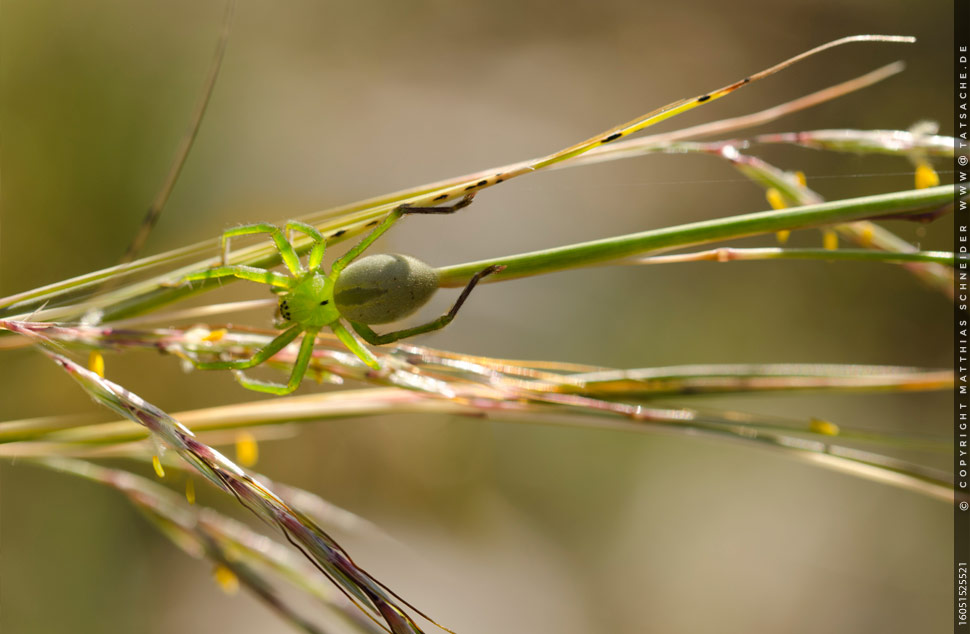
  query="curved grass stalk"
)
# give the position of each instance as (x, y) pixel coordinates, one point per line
(892, 142)
(794, 192)
(798, 440)
(888, 142)
(489, 178)
(141, 297)
(655, 142)
(613, 249)
(366, 592)
(729, 254)
(472, 400)
(440, 371)
(786, 438)
(137, 297)
(204, 533)
(862, 232)
(504, 390)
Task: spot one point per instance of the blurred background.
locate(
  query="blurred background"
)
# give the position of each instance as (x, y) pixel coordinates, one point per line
(493, 526)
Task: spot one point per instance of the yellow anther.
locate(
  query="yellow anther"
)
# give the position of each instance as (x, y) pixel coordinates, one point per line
(247, 449)
(777, 201)
(157, 465)
(190, 491)
(775, 198)
(830, 240)
(867, 234)
(824, 427)
(215, 335)
(316, 372)
(226, 579)
(96, 363)
(926, 176)
(800, 177)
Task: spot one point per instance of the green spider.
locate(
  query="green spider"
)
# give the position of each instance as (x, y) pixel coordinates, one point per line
(377, 289)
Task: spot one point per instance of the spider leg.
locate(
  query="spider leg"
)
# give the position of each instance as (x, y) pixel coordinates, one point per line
(373, 338)
(388, 222)
(296, 376)
(287, 253)
(354, 345)
(319, 242)
(253, 274)
(264, 354)
(442, 209)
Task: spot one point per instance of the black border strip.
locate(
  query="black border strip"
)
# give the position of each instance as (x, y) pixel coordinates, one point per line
(961, 319)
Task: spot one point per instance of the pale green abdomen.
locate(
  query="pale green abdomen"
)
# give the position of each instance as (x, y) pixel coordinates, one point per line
(378, 289)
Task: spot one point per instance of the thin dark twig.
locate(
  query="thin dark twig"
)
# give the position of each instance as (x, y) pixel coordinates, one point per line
(155, 209)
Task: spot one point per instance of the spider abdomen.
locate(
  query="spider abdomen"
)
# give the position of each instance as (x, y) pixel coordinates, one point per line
(379, 289)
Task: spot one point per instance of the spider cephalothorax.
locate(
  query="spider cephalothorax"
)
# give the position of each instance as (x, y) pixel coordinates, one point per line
(376, 289)
(310, 301)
